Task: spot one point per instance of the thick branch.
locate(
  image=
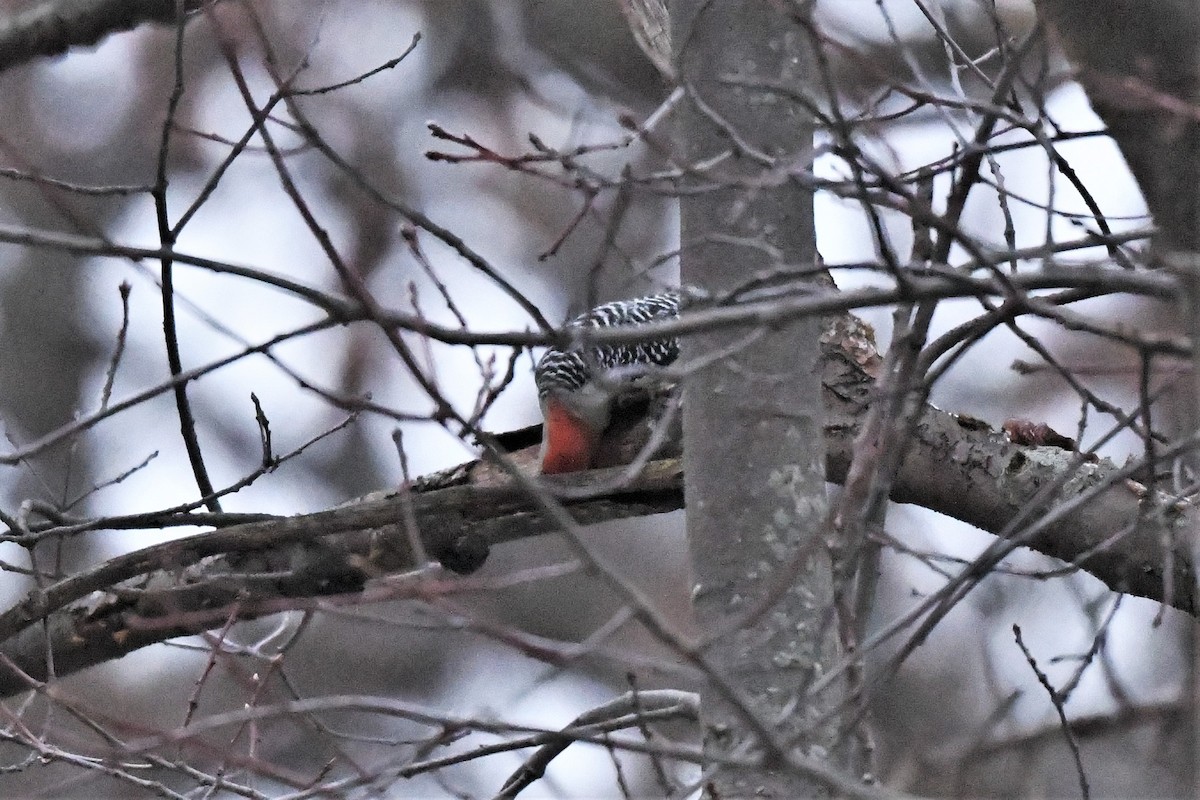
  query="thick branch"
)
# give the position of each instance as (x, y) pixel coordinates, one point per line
(957, 466)
(53, 27)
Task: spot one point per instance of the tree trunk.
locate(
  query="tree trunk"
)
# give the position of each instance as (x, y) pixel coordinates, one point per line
(754, 478)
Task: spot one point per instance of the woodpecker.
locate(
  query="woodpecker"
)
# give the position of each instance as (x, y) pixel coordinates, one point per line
(578, 387)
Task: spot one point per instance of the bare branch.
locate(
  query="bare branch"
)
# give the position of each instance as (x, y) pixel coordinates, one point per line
(957, 465)
(55, 26)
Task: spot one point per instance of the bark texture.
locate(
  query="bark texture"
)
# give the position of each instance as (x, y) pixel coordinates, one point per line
(754, 466)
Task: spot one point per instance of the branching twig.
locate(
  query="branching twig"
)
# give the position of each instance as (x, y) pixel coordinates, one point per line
(1057, 701)
(630, 710)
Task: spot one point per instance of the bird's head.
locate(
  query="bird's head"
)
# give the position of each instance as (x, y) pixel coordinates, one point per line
(577, 403)
(575, 408)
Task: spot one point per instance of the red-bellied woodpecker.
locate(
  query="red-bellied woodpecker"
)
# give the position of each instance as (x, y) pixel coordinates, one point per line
(577, 387)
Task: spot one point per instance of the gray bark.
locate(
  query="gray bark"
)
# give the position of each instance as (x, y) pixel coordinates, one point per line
(752, 419)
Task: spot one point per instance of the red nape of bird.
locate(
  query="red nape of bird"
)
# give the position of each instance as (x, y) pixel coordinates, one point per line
(578, 386)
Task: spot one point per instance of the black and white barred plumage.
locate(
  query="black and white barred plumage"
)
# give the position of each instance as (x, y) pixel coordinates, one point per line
(567, 371)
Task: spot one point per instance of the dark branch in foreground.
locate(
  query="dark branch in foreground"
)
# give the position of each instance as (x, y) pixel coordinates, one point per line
(53, 27)
(1089, 514)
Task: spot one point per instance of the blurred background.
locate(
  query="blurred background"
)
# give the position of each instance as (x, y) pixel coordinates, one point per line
(965, 716)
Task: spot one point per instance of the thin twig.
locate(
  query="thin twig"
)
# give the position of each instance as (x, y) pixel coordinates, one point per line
(1057, 701)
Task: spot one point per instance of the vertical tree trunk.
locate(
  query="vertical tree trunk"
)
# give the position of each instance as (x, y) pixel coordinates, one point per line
(753, 447)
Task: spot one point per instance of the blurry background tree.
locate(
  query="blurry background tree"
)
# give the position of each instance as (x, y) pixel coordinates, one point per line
(355, 295)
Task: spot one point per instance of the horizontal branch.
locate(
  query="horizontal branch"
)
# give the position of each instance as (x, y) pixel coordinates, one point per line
(751, 308)
(1086, 513)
